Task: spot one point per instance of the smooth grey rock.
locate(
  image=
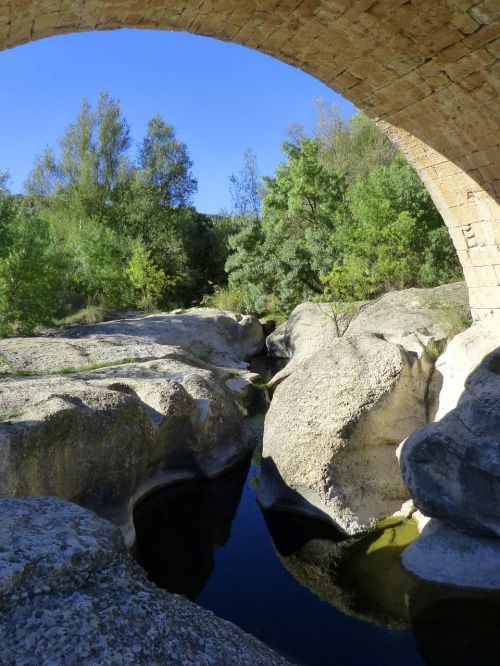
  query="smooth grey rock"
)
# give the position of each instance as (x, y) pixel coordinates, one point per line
(333, 452)
(43, 355)
(105, 437)
(444, 555)
(452, 467)
(276, 344)
(71, 594)
(311, 328)
(460, 370)
(413, 317)
(218, 336)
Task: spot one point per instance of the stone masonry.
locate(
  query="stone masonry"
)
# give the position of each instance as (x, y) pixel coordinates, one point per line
(427, 70)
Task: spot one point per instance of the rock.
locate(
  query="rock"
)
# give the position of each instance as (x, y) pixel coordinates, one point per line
(452, 467)
(220, 337)
(105, 437)
(410, 317)
(413, 317)
(333, 454)
(311, 328)
(276, 344)
(444, 555)
(70, 593)
(456, 371)
(40, 355)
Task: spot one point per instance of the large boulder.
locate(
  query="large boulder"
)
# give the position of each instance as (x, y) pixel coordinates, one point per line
(310, 328)
(444, 555)
(452, 466)
(218, 336)
(333, 453)
(416, 319)
(70, 593)
(105, 437)
(410, 317)
(413, 318)
(460, 371)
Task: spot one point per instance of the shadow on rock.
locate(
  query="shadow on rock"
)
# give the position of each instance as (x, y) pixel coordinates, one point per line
(179, 528)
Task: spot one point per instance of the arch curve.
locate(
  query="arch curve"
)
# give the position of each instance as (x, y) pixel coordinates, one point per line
(427, 70)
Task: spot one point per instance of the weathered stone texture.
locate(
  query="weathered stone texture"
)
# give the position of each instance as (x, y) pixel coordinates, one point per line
(427, 68)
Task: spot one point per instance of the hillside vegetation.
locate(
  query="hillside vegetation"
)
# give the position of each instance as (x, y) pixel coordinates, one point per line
(99, 228)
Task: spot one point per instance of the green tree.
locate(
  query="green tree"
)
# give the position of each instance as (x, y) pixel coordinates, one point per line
(285, 253)
(97, 257)
(246, 187)
(8, 210)
(31, 277)
(392, 237)
(92, 169)
(148, 281)
(355, 147)
(166, 165)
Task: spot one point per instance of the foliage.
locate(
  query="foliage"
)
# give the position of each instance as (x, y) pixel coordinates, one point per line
(30, 282)
(91, 314)
(388, 239)
(148, 281)
(165, 164)
(123, 227)
(344, 218)
(225, 298)
(98, 255)
(246, 188)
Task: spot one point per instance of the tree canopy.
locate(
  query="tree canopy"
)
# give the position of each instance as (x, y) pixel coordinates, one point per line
(344, 217)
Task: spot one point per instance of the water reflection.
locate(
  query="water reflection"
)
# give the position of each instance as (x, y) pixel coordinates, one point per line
(300, 586)
(360, 576)
(179, 528)
(454, 627)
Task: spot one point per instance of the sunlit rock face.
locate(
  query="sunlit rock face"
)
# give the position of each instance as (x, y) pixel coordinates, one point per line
(104, 436)
(69, 588)
(333, 452)
(355, 387)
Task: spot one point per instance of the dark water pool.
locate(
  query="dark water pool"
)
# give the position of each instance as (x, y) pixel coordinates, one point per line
(298, 586)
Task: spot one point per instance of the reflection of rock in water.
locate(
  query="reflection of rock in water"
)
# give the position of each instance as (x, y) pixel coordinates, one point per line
(458, 630)
(179, 527)
(362, 576)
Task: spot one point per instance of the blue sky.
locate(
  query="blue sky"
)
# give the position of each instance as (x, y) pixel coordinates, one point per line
(221, 98)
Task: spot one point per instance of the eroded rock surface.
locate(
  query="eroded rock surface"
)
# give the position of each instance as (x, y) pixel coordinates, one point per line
(412, 318)
(358, 381)
(333, 452)
(452, 466)
(70, 593)
(218, 336)
(103, 437)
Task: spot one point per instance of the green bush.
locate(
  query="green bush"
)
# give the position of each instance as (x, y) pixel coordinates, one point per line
(31, 278)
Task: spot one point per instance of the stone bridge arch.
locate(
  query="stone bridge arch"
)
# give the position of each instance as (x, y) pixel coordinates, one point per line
(427, 70)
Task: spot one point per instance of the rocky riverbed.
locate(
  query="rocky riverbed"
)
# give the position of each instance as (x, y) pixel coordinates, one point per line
(102, 415)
